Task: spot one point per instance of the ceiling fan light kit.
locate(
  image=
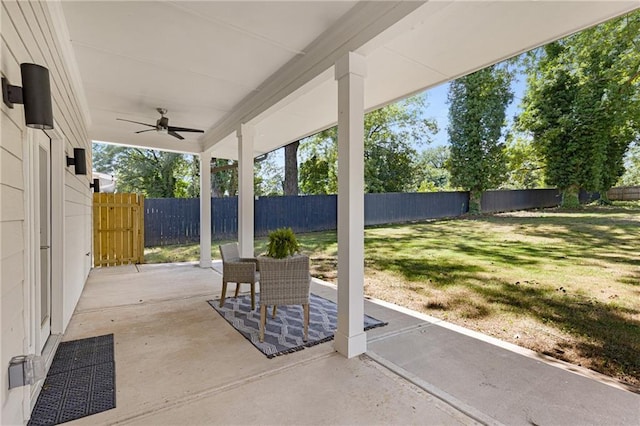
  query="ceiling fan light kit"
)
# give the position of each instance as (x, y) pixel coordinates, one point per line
(162, 126)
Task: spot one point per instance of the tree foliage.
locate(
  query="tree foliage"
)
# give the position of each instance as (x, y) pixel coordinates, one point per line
(582, 105)
(156, 174)
(105, 156)
(268, 179)
(431, 173)
(319, 171)
(477, 104)
(193, 176)
(223, 182)
(525, 168)
(631, 176)
(391, 136)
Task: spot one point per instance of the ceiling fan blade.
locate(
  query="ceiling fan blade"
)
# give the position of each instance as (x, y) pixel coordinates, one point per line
(142, 131)
(175, 135)
(137, 122)
(184, 129)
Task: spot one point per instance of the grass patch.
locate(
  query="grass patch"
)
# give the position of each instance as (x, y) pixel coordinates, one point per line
(563, 283)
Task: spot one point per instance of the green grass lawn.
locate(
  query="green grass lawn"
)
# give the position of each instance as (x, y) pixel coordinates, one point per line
(563, 283)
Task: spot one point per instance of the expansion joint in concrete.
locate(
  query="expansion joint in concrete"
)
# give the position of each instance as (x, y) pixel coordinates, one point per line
(438, 393)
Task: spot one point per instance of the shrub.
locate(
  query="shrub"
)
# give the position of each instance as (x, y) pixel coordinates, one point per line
(282, 243)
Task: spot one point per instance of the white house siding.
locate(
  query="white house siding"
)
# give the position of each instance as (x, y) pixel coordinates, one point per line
(29, 35)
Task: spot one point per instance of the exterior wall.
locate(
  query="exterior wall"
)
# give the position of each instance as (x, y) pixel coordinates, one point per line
(29, 34)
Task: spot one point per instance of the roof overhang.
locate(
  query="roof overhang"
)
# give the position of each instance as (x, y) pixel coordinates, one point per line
(215, 65)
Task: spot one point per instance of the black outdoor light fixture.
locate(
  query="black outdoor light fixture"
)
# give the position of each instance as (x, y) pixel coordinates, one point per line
(95, 185)
(78, 160)
(35, 94)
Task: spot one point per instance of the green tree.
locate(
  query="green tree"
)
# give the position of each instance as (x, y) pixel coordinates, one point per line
(391, 133)
(105, 156)
(582, 105)
(156, 174)
(192, 177)
(224, 178)
(477, 104)
(268, 179)
(525, 168)
(319, 171)
(631, 176)
(431, 173)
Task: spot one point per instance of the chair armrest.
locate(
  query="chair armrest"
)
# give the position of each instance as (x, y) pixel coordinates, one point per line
(251, 259)
(239, 272)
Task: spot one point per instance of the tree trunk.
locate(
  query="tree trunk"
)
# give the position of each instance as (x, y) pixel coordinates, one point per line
(570, 199)
(604, 198)
(475, 198)
(291, 168)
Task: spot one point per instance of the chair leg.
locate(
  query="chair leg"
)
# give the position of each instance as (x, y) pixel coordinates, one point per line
(273, 314)
(224, 293)
(237, 289)
(253, 296)
(263, 320)
(306, 321)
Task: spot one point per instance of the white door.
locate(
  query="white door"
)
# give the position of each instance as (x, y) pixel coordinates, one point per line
(43, 302)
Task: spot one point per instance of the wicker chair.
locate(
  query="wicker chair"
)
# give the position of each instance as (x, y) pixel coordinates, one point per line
(238, 270)
(284, 282)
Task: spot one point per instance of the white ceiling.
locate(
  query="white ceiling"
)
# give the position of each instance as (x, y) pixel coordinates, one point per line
(216, 64)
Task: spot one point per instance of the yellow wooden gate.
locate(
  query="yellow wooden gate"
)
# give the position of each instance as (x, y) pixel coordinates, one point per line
(118, 229)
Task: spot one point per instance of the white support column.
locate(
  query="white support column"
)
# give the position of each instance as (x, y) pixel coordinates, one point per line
(205, 209)
(246, 134)
(350, 338)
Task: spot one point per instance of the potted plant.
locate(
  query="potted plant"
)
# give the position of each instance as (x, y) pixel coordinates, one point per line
(284, 277)
(282, 243)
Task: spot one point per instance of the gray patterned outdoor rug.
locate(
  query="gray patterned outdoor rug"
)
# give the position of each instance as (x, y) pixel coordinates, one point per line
(284, 333)
(80, 382)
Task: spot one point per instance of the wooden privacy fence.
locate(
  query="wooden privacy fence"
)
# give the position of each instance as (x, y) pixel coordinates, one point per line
(177, 220)
(519, 199)
(118, 229)
(624, 193)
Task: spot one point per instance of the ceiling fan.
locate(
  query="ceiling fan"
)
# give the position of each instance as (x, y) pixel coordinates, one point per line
(162, 126)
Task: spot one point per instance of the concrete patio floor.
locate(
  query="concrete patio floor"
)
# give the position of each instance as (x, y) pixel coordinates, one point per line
(179, 362)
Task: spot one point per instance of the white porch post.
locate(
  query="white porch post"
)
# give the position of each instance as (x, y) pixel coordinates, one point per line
(205, 209)
(246, 134)
(350, 338)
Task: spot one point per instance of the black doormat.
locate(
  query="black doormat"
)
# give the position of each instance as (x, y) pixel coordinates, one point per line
(80, 382)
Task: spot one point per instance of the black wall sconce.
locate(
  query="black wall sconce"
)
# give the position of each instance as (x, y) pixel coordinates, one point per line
(95, 185)
(79, 161)
(35, 94)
